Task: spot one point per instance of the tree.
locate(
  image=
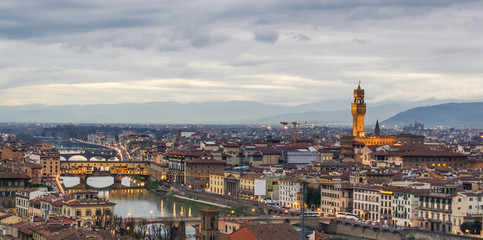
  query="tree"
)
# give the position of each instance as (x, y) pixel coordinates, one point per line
(471, 227)
(313, 196)
(103, 219)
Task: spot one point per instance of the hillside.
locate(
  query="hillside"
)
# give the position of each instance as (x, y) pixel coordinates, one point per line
(447, 115)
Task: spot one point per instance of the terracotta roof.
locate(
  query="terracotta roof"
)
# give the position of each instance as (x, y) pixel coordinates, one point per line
(49, 198)
(266, 232)
(15, 175)
(204, 161)
(34, 166)
(89, 203)
(54, 232)
(28, 190)
(420, 152)
(230, 145)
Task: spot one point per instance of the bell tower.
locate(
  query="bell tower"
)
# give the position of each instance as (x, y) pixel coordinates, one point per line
(358, 109)
(209, 223)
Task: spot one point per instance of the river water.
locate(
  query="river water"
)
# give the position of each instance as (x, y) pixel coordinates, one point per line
(132, 201)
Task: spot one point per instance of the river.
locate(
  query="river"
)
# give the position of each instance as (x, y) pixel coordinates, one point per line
(132, 201)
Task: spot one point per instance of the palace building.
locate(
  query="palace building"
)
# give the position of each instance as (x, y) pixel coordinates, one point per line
(359, 139)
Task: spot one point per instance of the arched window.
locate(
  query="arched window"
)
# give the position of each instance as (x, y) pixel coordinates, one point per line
(212, 222)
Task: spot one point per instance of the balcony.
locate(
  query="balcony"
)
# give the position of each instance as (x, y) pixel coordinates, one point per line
(435, 209)
(435, 220)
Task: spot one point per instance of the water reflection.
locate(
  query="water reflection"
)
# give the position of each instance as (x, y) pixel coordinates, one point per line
(69, 182)
(132, 202)
(96, 182)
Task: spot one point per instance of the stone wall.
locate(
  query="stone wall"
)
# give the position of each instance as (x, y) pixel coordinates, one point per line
(375, 232)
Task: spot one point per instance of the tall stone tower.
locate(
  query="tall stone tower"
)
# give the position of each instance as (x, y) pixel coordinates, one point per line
(358, 108)
(209, 223)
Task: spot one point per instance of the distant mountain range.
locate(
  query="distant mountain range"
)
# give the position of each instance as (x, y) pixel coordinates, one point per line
(448, 115)
(237, 112)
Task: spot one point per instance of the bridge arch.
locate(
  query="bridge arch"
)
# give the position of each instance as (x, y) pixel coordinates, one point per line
(62, 158)
(77, 158)
(97, 158)
(113, 159)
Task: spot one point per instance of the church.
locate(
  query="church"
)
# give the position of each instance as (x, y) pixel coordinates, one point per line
(359, 139)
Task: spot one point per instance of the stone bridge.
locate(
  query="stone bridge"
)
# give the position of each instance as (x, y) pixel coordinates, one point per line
(117, 169)
(94, 154)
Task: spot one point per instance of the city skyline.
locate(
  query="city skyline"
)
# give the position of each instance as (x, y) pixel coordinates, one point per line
(272, 52)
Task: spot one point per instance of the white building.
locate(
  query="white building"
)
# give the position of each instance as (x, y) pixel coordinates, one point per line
(301, 157)
(23, 197)
(289, 190)
(405, 206)
(367, 202)
(466, 204)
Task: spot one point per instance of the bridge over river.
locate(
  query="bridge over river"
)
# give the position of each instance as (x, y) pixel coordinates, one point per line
(117, 169)
(313, 222)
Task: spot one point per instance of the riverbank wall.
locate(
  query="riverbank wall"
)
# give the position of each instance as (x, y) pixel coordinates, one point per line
(239, 205)
(336, 226)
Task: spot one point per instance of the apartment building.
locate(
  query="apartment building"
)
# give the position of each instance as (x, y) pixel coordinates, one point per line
(436, 207)
(335, 197)
(405, 206)
(367, 202)
(50, 161)
(197, 172)
(289, 189)
(23, 197)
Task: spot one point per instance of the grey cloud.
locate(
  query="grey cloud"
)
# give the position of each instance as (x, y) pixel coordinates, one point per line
(262, 21)
(245, 60)
(268, 36)
(199, 36)
(358, 40)
(301, 37)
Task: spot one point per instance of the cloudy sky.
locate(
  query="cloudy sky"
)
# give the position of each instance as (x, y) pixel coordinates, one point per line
(273, 51)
